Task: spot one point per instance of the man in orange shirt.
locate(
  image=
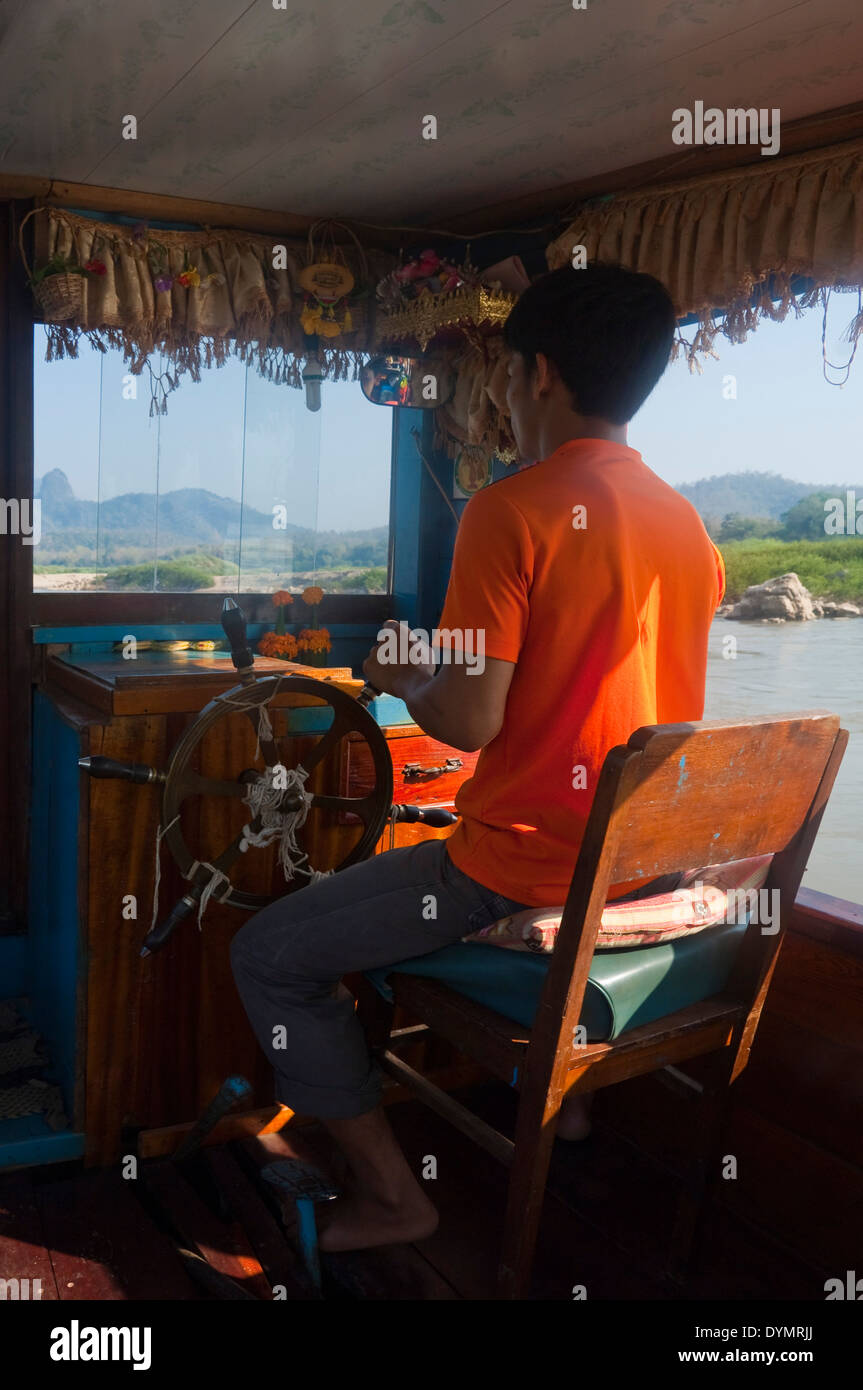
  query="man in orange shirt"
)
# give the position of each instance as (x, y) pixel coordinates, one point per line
(588, 587)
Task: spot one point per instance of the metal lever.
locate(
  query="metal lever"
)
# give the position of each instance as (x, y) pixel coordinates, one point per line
(367, 694)
(159, 935)
(234, 625)
(126, 772)
(229, 1094)
(437, 816)
(410, 771)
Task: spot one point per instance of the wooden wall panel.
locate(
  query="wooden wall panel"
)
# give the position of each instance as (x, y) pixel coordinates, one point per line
(796, 1121)
(163, 1032)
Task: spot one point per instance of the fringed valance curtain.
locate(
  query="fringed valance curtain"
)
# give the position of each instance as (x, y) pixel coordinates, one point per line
(238, 302)
(735, 241)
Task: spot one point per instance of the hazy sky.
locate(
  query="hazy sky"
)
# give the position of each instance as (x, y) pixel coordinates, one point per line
(332, 467)
(786, 418)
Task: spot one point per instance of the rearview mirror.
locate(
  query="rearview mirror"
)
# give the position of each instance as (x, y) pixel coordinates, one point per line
(391, 380)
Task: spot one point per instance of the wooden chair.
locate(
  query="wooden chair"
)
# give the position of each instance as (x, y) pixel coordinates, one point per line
(675, 797)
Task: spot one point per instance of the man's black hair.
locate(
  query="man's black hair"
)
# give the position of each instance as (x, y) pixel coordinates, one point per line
(608, 331)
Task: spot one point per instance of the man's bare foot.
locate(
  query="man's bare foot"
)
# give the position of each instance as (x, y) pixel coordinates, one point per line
(573, 1122)
(359, 1222)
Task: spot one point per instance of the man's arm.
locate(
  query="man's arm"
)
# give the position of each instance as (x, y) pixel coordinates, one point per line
(458, 705)
(485, 613)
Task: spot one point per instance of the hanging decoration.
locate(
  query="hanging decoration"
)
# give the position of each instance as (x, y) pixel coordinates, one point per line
(431, 300)
(195, 298)
(471, 472)
(474, 427)
(58, 286)
(334, 300)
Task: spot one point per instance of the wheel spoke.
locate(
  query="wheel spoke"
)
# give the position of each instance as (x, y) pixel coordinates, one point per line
(193, 784)
(335, 733)
(361, 806)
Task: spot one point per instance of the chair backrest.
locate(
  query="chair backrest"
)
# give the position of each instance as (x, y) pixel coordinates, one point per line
(680, 796)
(684, 796)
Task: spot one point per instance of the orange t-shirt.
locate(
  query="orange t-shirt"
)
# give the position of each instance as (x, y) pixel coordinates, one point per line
(600, 582)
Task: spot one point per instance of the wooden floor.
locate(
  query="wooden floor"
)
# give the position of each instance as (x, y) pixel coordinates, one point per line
(210, 1229)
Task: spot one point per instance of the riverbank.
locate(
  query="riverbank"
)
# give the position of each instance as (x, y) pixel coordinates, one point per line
(831, 569)
(785, 599)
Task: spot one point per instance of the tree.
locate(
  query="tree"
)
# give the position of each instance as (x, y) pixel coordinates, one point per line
(736, 527)
(805, 520)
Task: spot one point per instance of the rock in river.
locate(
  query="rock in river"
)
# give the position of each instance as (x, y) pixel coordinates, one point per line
(783, 598)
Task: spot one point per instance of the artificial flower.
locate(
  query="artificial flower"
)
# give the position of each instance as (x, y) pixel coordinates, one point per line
(162, 283)
(312, 595)
(281, 597)
(314, 639)
(96, 267)
(279, 645)
(189, 278)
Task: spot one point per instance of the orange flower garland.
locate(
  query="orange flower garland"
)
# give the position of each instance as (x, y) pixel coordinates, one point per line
(278, 644)
(281, 600)
(314, 639)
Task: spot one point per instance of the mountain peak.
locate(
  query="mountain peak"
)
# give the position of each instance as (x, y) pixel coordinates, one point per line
(55, 487)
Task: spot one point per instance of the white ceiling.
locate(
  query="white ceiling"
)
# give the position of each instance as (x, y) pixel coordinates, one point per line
(317, 109)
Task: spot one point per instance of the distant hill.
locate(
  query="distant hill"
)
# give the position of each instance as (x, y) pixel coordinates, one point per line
(766, 495)
(197, 520)
(190, 519)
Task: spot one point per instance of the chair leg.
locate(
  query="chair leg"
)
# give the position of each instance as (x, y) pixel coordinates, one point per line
(692, 1201)
(533, 1146)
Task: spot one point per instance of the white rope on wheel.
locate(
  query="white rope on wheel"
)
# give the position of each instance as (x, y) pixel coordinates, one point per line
(240, 700)
(263, 799)
(216, 879)
(158, 875)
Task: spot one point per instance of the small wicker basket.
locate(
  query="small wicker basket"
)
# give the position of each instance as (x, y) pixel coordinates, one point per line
(59, 296)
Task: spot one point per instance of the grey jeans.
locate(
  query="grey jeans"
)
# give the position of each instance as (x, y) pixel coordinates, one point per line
(288, 961)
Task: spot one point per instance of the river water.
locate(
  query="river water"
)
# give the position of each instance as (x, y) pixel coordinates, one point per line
(787, 667)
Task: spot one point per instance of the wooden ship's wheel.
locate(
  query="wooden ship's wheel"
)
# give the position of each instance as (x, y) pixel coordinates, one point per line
(276, 799)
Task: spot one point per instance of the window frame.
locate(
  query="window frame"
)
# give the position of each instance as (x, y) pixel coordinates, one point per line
(98, 608)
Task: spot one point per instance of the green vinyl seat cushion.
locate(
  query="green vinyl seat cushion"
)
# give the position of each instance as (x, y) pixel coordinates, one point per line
(626, 988)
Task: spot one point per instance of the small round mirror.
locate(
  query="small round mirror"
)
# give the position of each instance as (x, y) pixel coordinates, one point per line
(392, 380)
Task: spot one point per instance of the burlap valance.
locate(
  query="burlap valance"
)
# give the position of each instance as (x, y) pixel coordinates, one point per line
(718, 240)
(476, 418)
(242, 306)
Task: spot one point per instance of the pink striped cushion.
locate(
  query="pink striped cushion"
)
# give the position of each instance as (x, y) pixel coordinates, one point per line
(704, 898)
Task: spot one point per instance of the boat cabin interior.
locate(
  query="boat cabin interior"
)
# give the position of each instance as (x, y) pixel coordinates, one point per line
(256, 267)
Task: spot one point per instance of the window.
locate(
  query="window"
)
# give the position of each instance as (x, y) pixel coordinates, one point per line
(239, 488)
(758, 442)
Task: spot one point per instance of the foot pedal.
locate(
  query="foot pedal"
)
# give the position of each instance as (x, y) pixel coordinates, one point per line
(305, 1186)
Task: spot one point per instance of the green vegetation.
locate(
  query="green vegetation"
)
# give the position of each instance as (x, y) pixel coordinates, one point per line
(830, 568)
(181, 574)
(371, 581)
